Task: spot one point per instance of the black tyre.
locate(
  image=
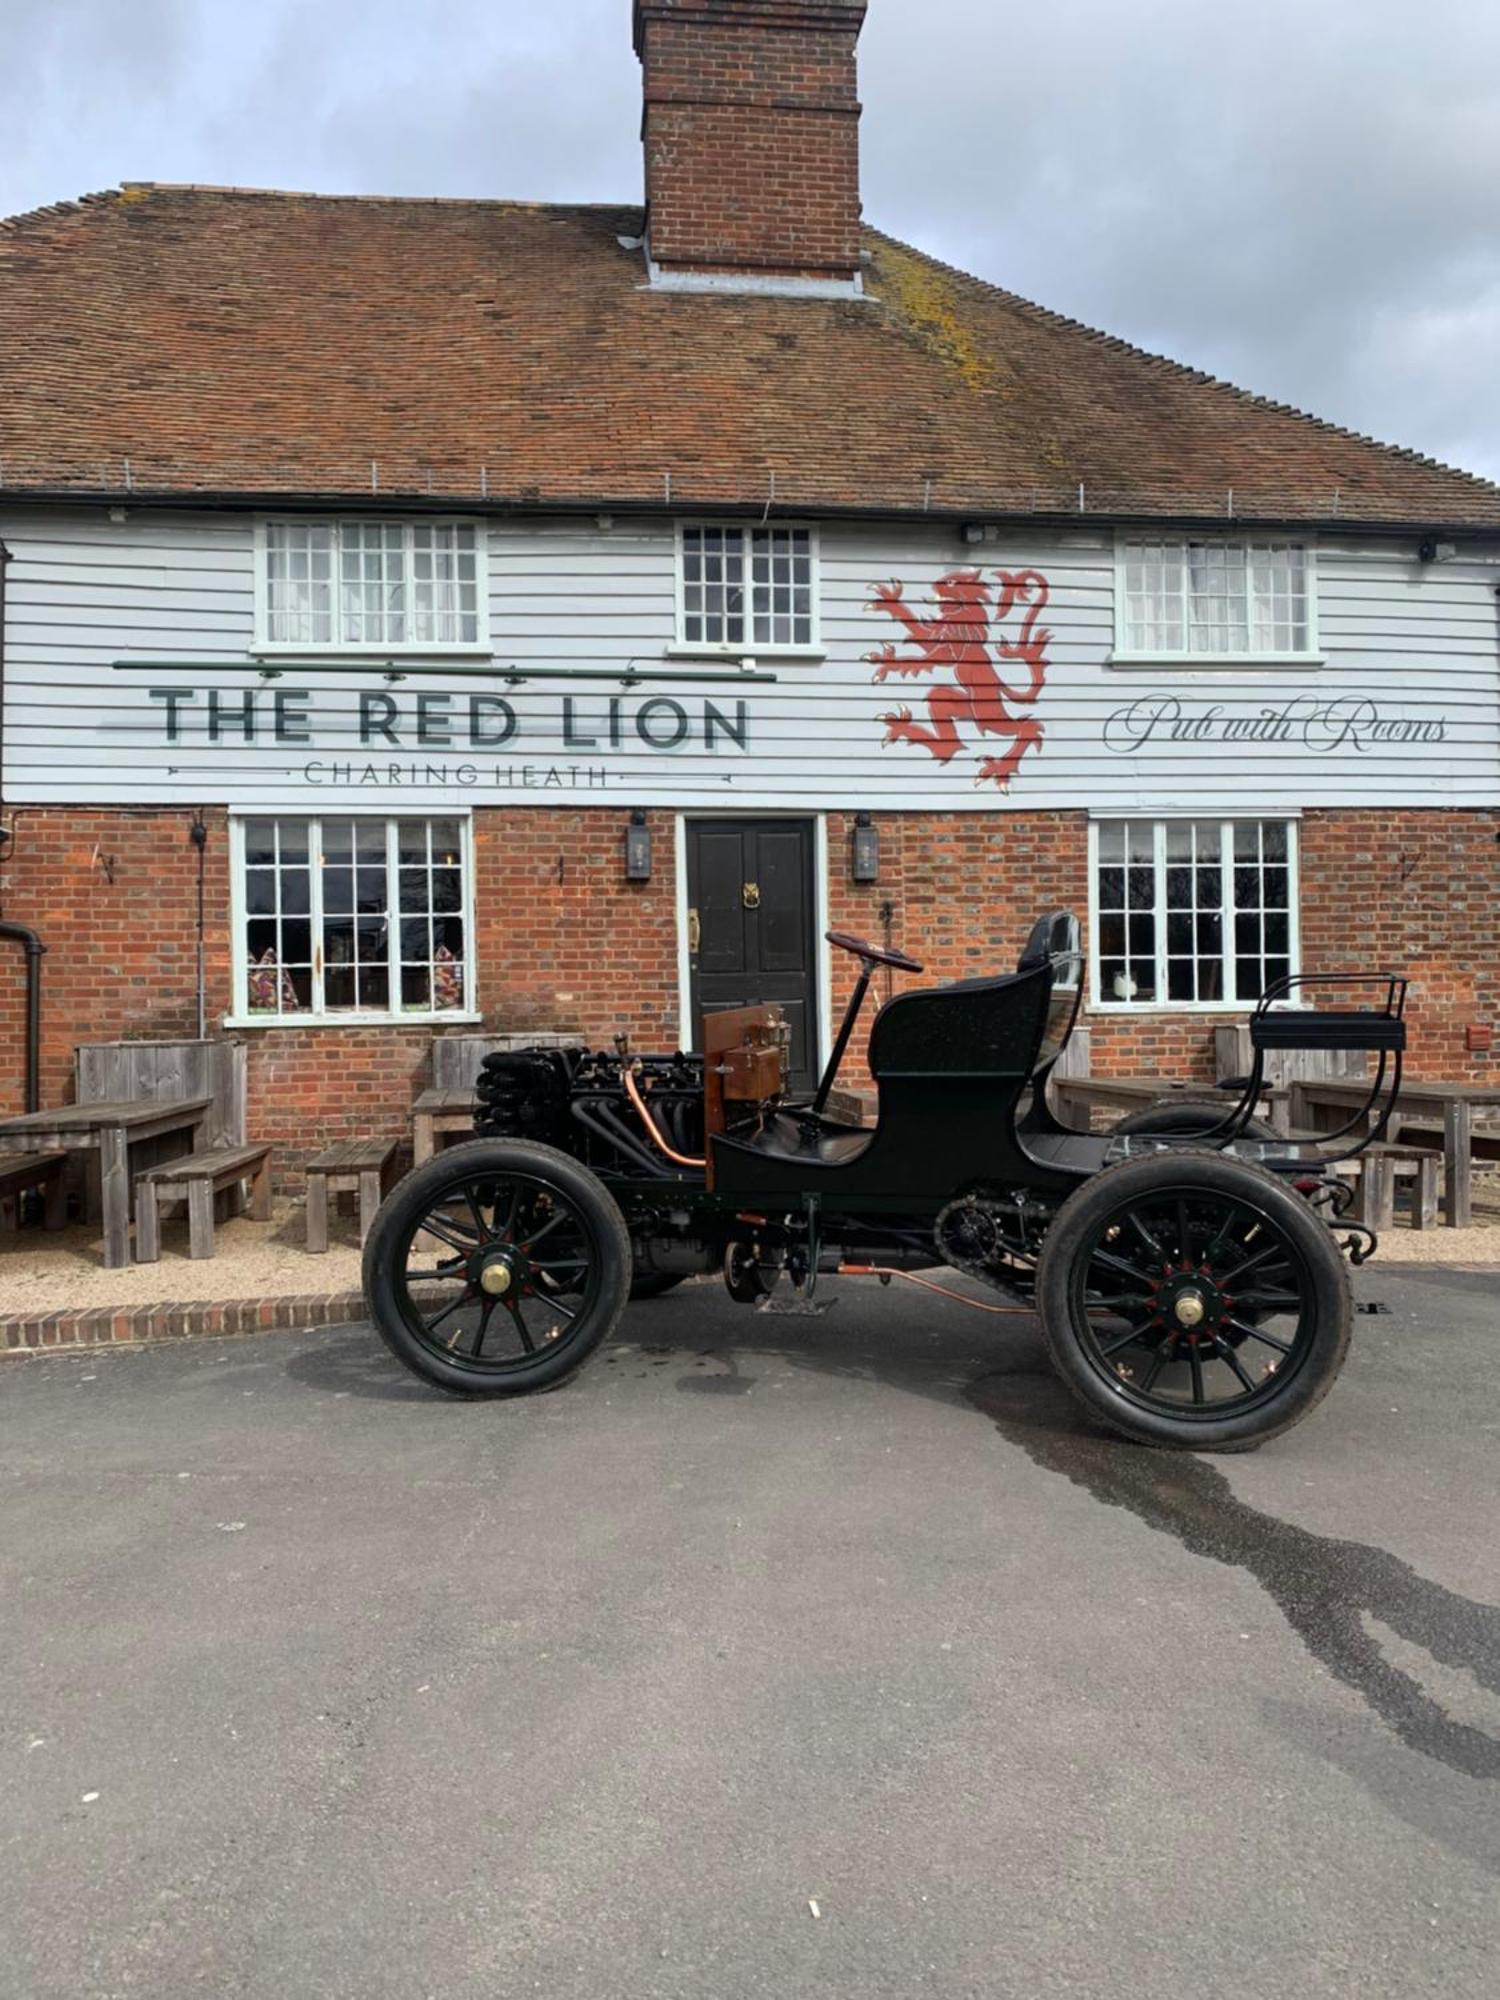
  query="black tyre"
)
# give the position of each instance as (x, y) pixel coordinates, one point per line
(1194, 1300)
(497, 1267)
(1187, 1118)
(651, 1284)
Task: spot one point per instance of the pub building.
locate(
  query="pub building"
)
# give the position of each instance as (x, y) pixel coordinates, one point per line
(466, 615)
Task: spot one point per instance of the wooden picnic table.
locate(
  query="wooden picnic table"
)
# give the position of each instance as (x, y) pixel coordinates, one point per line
(108, 1130)
(1325, 1105)
(440, 1113)
(1076, 1096)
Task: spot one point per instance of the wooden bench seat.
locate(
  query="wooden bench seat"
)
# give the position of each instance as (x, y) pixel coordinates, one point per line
(360, 1166)
(200, 1176)
(1377, 1170)
(19, 1171)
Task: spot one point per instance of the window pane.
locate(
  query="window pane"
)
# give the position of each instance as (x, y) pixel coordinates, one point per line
(296, 887)
(299, 590)
(339, 995)
(714, 563)
(373, 984)
(338, 892)
(781, 585)
(444, 607)
(260, 841)
(372, 583)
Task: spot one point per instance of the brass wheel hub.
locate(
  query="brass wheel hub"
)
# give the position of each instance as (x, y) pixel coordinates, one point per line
(1188, 1303)
(500, 1274)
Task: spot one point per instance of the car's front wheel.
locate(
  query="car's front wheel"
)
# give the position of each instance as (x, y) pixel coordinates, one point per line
(497, 1267)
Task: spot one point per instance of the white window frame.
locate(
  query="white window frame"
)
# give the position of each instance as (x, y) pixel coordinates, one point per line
(240, 1014)
(1098, 1004)
(747, 648)
(378, 649)
(1123, 656)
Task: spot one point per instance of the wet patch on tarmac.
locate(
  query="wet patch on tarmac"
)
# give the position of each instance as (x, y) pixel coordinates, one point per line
(1326, 1588)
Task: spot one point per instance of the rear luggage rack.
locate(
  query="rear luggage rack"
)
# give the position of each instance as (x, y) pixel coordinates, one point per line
(1377, 1030)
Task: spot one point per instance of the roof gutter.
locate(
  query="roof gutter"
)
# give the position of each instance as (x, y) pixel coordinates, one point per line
(362, 500)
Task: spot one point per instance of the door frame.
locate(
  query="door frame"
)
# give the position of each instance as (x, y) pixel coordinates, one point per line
(819, 1015)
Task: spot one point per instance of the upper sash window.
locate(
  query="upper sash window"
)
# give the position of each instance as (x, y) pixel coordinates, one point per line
(1214, 599)
(374, 586)
(747, 589)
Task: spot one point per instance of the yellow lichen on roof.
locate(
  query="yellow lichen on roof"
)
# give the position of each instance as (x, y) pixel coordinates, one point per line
(920, 293)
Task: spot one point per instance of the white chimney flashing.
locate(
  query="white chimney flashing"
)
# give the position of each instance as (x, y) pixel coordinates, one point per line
(749, 284)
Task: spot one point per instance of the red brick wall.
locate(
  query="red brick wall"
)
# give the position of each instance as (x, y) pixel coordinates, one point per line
(564, 941)
(1418, 892)
(751, 132)
(1410, 891)
(963, 889)
(113, 895)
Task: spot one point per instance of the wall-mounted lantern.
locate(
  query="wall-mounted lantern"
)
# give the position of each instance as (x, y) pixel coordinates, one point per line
(865, 846)
(637, 848)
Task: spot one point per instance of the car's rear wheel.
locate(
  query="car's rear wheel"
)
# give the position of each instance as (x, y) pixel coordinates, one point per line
(1194, 1300)
(497, 1267)
(1186, 1118)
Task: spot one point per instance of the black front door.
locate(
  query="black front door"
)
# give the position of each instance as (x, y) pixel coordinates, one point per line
(750, 925)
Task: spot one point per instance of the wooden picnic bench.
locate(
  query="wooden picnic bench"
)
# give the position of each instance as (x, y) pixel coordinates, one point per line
(1377, 1170)
(200, 1176)
(355, 1166)
(1448, 1127)
(19, 1171)
(441, 1114)
(108, 1132)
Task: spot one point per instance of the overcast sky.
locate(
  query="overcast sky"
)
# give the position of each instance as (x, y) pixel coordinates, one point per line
(1302, 197)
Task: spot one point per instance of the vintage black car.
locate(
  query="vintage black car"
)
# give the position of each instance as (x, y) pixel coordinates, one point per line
(1188, 1268)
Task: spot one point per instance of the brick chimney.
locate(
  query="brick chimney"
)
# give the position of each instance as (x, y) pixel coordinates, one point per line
(751, 130)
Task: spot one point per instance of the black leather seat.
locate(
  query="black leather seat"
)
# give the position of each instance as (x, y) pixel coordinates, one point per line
(793, 1135)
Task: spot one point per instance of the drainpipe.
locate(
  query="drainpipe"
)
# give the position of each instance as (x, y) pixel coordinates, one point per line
(20, 932)
(34, 950)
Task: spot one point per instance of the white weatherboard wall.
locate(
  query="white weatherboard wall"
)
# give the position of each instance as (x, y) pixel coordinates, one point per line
(1405, 709)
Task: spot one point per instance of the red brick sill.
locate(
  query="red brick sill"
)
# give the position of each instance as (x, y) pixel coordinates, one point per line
(103, 1326)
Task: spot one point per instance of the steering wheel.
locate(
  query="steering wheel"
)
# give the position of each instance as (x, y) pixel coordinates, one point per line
(872, 954)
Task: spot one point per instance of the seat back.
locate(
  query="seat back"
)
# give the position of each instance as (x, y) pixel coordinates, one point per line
(976, 1028)
(1056, 940)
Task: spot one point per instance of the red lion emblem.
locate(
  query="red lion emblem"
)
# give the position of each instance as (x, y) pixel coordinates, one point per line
(960, 637)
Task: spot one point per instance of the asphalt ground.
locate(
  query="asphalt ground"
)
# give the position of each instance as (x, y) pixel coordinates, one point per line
(767, 1657)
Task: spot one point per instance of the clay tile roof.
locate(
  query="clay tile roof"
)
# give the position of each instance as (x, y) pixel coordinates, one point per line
(226, 341)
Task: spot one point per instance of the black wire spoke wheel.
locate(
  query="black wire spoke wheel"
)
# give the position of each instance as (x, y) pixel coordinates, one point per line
(1194, 1299)
(497, 1267)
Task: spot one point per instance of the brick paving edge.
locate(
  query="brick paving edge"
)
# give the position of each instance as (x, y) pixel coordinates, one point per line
(138, 1326)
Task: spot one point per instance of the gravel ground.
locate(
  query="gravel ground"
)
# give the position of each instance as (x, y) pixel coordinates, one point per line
(261, 1260)
(252, 1260)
